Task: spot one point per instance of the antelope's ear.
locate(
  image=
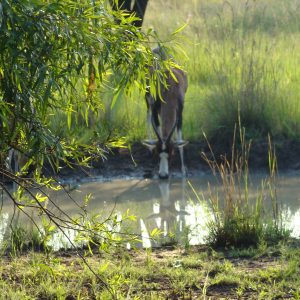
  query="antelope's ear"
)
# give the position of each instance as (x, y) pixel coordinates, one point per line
(180, 143)
(151, 144)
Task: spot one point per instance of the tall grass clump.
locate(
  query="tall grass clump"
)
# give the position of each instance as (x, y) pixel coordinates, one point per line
(239, 220)
(245, 73)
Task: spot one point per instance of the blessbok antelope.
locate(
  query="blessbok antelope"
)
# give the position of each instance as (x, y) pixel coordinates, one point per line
(165, 114)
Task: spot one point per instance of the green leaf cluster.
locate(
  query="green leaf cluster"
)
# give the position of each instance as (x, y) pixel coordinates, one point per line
(54, 56)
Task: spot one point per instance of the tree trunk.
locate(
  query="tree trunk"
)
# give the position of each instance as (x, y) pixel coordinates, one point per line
(139, 8)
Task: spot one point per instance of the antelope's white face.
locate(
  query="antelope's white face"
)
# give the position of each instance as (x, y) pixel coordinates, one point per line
(164, 156)
(165, 151)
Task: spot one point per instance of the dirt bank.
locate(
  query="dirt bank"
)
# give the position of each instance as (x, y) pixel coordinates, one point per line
(139, 162)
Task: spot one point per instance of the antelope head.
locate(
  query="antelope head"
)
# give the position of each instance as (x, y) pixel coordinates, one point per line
(164, 147)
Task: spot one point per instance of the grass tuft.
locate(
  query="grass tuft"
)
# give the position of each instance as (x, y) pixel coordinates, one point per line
(239, 220)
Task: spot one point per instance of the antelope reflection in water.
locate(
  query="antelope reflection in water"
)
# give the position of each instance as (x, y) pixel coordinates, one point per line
(169, 213)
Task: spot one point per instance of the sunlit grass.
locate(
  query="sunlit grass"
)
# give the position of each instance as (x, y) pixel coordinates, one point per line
(242, 59)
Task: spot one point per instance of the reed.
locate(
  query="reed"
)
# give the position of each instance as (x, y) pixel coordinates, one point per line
(239, 219)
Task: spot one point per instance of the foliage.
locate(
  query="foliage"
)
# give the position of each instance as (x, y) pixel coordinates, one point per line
(20, 240)
(55, 59)
(49, 53)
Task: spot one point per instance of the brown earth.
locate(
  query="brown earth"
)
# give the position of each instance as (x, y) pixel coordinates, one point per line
(139, 162)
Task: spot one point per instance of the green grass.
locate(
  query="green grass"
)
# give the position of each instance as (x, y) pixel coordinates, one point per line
(198, 273)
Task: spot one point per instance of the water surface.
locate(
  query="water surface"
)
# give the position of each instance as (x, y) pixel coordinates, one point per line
(179, 208)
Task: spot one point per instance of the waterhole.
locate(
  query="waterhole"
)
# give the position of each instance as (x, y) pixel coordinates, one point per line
(179, 208)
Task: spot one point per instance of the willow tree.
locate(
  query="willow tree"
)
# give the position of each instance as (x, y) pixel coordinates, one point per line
(52, 55)
(49, 50)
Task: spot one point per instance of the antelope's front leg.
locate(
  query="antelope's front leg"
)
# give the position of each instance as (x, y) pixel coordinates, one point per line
(183, 168)
(181, 144)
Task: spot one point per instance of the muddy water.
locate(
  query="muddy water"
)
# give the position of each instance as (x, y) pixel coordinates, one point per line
(179, 208)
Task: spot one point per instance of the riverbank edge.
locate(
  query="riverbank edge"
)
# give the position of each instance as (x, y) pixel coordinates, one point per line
(138, 162)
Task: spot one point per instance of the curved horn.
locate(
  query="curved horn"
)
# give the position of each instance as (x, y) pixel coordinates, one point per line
(155, 129)
(157, 132)
(173, 128)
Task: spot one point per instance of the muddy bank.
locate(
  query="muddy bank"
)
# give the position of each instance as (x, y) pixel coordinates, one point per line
(139, 162)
